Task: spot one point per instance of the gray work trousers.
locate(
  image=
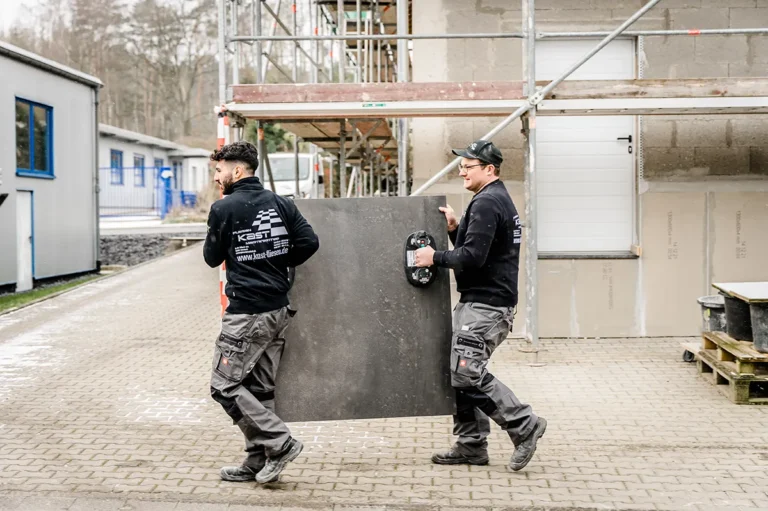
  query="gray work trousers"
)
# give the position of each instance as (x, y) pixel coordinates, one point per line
(245, 363)
(479, 329)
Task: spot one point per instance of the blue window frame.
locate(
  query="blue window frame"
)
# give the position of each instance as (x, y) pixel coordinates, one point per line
(116, 167)
(176, 168)
(159, 162)
(138, 171)
(34, 139)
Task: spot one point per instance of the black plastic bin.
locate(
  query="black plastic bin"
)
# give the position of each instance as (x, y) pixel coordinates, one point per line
(738, 322)
(759, 313)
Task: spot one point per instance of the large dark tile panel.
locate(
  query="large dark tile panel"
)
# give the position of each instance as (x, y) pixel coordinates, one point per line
(365, 343)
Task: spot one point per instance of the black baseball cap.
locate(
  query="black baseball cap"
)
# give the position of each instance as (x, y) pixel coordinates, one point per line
(482, 150)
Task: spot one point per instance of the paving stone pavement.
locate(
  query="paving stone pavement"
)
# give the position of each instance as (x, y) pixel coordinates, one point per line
(104, 405)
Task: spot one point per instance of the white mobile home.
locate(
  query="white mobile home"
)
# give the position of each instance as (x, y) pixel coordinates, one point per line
(48, 169)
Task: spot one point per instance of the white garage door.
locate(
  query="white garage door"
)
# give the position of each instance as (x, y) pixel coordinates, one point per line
(586, 172)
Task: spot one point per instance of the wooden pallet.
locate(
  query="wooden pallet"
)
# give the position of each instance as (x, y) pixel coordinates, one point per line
(740, 388)
(724, 348)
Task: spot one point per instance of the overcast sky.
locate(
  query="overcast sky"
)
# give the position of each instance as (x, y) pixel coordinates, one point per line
(9, 10)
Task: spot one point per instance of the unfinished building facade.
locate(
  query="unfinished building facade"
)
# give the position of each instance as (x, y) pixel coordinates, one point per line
(649, 162)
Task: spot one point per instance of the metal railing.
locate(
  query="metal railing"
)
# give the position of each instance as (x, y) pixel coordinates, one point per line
(141, 192)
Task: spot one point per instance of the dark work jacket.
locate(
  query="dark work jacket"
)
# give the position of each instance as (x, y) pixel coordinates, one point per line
(259, 235)
(486, 254)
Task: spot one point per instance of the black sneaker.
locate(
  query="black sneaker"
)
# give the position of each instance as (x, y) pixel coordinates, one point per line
(275, 465)
(454, 458)
(238, 474)
(525, 449)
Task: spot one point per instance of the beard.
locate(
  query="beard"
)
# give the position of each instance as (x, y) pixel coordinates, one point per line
(226, 186)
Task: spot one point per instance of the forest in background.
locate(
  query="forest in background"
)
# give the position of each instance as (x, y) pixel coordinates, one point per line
(157, 59)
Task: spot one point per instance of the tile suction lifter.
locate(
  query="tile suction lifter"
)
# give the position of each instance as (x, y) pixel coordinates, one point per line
(419, 277)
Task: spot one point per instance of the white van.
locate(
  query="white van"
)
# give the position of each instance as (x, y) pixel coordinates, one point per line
(284, 173)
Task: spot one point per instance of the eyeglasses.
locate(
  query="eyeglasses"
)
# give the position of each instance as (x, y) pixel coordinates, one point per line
(462, 167)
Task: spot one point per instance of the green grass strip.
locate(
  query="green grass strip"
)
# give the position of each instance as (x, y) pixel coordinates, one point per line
(13, 300)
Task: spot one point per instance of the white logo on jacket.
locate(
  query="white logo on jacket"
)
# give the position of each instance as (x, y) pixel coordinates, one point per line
(266, 238)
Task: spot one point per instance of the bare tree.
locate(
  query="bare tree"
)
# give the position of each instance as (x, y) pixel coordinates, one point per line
(174, 42)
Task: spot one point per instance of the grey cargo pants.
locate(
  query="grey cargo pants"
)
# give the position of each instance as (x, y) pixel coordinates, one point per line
(245, 362)
(479, 329)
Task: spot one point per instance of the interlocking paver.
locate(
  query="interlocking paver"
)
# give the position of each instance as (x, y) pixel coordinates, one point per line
(104, 401)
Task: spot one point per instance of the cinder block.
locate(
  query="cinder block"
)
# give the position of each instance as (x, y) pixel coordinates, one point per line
(430, 61)
(474, 22)
(497, 6)
(758, 161)
(758, 51)
(559, 5)
(749, 130)
(459, 132)
(652, 20)
(731, 3)
(575, 16)
(701, 132)
(658, 133)
(509, 136)
(614, 4)
(681, 4)
(699, 18)
(478, 52)
(749, 18)
(722, 161)
(455, 6)
(688, 69)
(741, 69)
(457, 67)
(664, 162)
(429, 143)
(509, 53)
(661, 53)
(732, 48)
(486, 72)
(513, 168)
(428, 17)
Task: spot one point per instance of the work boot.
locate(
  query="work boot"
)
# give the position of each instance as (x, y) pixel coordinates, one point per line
(525, 449)
(455, 458)
(276, 464)
(238, 474)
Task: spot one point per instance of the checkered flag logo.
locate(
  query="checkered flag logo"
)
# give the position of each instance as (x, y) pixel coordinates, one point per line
(269, 220)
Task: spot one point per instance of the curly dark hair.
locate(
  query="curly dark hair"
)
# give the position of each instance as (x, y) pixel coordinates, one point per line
(242, 152)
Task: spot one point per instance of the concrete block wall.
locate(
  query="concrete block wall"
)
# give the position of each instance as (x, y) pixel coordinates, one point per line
(679, 147)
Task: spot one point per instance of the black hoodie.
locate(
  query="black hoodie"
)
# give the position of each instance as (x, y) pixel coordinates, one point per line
(259, 235)
(486, 254)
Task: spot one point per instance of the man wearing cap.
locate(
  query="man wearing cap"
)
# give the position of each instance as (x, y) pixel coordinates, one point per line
(485, 261)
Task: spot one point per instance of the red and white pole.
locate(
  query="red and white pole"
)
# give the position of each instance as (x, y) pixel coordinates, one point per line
(223, 139)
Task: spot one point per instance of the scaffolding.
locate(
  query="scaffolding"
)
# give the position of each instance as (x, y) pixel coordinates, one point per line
(331, 41)
(357, 104)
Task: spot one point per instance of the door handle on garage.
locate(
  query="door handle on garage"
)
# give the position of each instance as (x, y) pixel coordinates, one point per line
(628, 139)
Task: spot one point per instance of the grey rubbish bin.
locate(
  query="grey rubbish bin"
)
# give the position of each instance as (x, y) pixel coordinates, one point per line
(712, 318)
(712, 313)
